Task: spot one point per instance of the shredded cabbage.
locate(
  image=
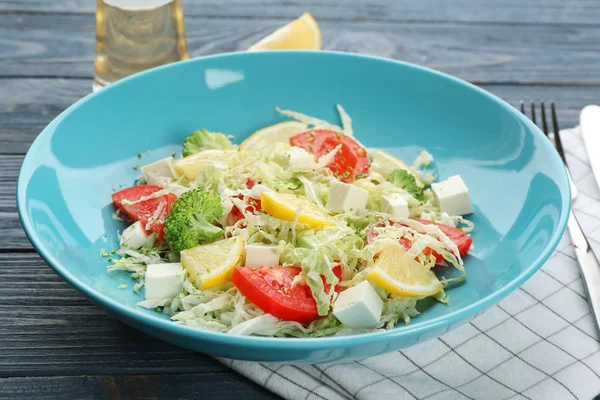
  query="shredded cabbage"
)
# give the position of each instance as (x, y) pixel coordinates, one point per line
(353, 243)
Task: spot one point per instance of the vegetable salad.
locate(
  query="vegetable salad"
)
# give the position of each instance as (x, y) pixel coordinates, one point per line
(299, 231)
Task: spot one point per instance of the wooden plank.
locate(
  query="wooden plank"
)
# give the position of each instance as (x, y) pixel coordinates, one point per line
(13, 236)
(63, 46)
(30, 104)
(514, 11)
(49, 328)
(224, 385)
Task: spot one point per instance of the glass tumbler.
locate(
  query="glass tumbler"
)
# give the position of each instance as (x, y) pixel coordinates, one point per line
(135, 35)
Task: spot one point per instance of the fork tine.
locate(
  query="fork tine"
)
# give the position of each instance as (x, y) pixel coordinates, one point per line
(556, 129)
(544, 122)
(533, 113)
(522, 107)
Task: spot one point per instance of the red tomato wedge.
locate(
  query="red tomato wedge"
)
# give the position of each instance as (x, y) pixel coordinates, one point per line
(235, 214)
(270, 289)
(348, 162)
(143, 210)
(459, 238)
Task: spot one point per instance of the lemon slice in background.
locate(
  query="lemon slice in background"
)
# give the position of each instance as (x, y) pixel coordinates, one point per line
(301, 34)
(285, 206)
(278, 133)
(211, 265)
(385, 163)
(402, 277)
(190, 166)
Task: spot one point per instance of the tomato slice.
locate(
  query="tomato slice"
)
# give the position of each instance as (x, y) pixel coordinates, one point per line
(459, 238)
(143, 210)
(348, 162)
(271, 290)
(235, 214)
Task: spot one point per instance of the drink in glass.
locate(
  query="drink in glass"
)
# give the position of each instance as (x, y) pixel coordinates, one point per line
(134, 35)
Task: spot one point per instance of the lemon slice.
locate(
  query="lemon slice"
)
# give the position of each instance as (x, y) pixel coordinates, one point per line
(301, 34)
(402, 277)
(385, 163)
(278, 133)
(285, 206)
(190, 166)
(211, 265)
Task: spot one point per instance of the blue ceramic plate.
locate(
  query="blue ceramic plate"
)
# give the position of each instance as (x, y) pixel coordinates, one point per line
(517, 181)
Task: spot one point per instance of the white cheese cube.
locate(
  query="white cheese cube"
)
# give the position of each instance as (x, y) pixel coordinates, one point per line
(134, 236)
(297, 157)
(358, 307)
(258, 255)
(394, 204)
(163, 281)
(452, 196)
(343, 196)
(158, 171)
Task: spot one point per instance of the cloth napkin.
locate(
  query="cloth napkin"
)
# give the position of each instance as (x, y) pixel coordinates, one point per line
(540, 342)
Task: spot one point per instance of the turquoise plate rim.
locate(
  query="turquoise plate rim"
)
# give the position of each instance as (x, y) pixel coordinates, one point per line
(299, 343)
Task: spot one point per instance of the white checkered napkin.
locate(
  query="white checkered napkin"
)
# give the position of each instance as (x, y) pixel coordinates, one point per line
(538, 343)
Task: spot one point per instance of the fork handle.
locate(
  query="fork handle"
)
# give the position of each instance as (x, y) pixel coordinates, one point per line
(589, 266)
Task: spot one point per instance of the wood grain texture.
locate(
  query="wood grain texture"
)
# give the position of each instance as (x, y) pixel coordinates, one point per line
(49, 328)
(63, 46)
(13, 236)
(513, 11)
(217, 386)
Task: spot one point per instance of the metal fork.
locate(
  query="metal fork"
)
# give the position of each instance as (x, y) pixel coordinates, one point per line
(588, 262)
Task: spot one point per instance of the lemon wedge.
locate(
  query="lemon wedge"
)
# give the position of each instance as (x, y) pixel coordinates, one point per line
(211, 265)
(190, 166)
(401, 276)
(301, 34)
(385, 163)
(278, 133)
(285, 206)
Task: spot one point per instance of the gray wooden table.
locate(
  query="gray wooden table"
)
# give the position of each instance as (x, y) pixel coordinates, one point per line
(56, 344)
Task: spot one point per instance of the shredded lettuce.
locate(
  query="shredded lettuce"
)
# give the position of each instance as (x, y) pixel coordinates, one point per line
(346, 121)
(317, 253)
(222, 187)
(315, 122)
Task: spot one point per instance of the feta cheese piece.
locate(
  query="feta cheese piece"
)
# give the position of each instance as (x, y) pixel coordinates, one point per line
(163, 281)
(297, 157)
(358, 307)
(343, 196)
(258, 255)
(134, 236)
(394, 204)
(254, 325)
(160, 170)
(452, 196)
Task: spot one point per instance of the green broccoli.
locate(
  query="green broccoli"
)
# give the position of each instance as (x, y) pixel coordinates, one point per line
(204, 140)
(190, 219)
(405, 180)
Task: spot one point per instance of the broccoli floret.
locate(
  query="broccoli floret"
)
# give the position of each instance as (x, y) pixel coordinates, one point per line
(190, 219)
(405, 180)
(205, 140)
